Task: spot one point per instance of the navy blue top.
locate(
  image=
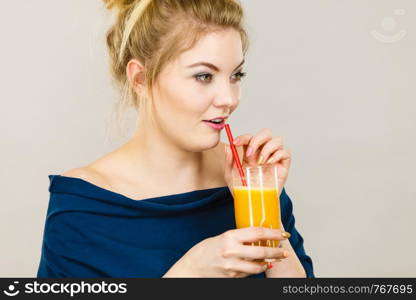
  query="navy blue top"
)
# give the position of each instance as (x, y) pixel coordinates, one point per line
(93, 232)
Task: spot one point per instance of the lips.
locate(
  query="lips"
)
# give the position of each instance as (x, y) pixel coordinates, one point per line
(217, 119)
(217, 126)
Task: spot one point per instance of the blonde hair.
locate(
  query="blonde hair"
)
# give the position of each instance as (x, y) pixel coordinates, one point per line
(158, 31)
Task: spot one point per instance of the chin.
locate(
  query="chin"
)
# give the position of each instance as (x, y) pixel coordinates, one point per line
(213, 144)
(206, 144)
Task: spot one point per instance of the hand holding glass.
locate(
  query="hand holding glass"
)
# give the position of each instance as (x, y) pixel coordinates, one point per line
(257, 203)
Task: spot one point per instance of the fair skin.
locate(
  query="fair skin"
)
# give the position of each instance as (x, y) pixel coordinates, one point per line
(182, 151)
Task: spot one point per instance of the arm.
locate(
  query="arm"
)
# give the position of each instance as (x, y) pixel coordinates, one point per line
(289, 267)
(226, 255)
(298, 264)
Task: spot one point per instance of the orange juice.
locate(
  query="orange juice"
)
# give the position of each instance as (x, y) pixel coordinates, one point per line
(257, 207)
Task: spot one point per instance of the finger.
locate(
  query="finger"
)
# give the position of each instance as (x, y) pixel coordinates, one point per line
(243, 139)
(280, 155)
(242, 142)
(269, 148)
(247, 139)
(254, 234)
(249, 267)
(242, 275)
(258, 140)
(286, 162)
(256, 252)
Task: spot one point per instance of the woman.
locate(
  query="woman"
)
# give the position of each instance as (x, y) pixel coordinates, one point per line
(160, 205)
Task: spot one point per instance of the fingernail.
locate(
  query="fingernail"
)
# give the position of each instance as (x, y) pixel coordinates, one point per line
(271, 159)
(269, 265)
(286, 235)
(249, 151)
(285, 254)
(236, 141)
(260, 161)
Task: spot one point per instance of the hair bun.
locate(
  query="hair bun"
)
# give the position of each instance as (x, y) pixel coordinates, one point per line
(119, 4)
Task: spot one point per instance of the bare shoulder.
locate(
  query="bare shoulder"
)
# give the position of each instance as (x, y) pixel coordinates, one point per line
(88, 174)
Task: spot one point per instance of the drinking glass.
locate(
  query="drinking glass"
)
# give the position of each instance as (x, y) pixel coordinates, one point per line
(256, 201)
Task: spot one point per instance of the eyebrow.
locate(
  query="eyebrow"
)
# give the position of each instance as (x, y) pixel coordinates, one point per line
(211, 66)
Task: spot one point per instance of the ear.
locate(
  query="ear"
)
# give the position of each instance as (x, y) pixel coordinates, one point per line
(135, 74)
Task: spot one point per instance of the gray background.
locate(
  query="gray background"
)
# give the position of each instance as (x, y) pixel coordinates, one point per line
(343, 99)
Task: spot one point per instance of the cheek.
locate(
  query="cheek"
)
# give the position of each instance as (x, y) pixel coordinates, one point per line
(237, 93)
(187, 100)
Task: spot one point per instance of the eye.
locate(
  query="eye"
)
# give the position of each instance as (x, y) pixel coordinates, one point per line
(239, 75)
(203, 77)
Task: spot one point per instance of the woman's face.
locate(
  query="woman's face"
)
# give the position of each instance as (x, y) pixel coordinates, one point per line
(201, 84)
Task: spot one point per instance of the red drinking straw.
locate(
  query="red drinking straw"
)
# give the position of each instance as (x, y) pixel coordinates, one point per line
(239, 167)
(235, 154)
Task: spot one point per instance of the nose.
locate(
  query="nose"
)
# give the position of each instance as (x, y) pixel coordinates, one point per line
(228, 95)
